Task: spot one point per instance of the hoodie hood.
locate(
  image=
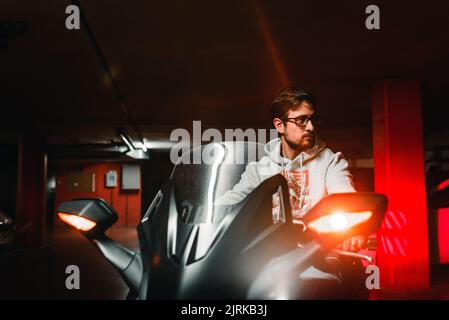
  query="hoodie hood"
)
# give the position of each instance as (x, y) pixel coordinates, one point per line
(273, 151)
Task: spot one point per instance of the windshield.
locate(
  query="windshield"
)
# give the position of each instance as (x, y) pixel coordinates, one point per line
(204, 175)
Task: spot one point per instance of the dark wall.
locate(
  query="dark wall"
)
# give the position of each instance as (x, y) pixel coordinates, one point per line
(363, 179)
(8, 178)
(154, 172)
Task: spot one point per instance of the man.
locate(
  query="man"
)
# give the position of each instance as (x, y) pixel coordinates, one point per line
(311, 169)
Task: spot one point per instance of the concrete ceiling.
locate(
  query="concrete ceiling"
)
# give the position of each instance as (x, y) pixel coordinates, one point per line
(216, 61)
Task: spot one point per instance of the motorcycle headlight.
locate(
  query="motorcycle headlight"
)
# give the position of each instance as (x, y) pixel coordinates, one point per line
(339, 222)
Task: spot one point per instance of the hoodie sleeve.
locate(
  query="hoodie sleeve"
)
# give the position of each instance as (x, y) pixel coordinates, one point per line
(249, 180)
(338, 177)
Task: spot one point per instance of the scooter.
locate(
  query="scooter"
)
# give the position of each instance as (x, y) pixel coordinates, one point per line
(191, 247)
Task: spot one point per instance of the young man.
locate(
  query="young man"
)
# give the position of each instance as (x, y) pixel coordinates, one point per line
(311, 169)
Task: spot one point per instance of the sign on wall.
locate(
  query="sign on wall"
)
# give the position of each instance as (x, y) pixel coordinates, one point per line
(130, 177)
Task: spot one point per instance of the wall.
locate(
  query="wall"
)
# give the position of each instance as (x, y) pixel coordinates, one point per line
(154, 172)
(363, 179)
(126, 203)
(8, 179)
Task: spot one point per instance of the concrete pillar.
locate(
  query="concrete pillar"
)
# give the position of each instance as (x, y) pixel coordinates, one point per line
(398, 150)
(31, 188)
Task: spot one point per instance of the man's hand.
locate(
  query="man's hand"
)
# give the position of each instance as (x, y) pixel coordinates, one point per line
(353, 244)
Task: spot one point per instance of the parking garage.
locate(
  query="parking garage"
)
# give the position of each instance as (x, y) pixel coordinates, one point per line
(95, 112)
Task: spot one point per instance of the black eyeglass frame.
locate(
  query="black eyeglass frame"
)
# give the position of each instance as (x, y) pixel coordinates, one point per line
(315, 119)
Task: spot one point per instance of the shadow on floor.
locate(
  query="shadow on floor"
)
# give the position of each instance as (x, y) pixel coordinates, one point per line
(39, 273)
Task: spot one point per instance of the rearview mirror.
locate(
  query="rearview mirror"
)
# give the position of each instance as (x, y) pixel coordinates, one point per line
(91, 216)
(343, 215)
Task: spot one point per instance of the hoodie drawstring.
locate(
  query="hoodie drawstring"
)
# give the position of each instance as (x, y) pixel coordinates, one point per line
(301, 170)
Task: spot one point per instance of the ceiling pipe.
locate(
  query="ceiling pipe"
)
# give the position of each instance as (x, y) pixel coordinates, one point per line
(126, 139)
(121, 98)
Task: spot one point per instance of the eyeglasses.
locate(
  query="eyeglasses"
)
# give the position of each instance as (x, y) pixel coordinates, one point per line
(303, 120)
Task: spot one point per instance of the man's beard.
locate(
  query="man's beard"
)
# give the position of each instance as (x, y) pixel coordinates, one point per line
(297, 145)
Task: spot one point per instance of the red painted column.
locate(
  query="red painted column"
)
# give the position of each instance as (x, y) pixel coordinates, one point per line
(402, 253)
(31, 189)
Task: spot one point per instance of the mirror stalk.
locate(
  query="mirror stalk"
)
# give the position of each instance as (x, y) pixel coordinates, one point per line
(127, 262)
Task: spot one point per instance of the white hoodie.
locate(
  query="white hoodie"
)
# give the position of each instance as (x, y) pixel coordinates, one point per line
(311, 175)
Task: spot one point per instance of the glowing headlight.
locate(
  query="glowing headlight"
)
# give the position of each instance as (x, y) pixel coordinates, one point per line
(80, 223)
(339, 221)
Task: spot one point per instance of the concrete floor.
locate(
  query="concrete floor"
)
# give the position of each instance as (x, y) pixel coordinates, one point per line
(439, 288)
(39, 273)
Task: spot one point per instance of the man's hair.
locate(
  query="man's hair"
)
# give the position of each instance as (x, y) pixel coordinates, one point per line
(289, 99)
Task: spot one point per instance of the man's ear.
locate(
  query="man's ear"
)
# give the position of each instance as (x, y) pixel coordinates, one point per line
(279, 125)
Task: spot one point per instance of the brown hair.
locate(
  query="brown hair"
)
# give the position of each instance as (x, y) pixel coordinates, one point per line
(288, 99)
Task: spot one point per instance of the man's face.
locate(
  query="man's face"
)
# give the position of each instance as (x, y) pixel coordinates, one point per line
(298, 138)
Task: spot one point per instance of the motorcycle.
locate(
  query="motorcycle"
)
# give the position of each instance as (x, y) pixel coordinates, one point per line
(193, 247)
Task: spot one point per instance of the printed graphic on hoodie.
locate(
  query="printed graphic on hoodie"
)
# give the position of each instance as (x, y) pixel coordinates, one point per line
(299, 191)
